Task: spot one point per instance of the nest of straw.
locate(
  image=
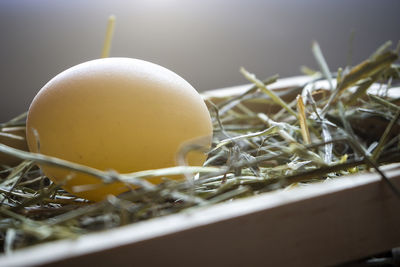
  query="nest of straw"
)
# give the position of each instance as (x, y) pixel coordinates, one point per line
(264, 140)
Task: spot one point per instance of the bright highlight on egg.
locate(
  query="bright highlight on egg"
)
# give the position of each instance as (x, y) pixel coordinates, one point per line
(116, 113)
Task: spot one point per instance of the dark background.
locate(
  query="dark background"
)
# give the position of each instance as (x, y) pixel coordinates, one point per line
(204, 41)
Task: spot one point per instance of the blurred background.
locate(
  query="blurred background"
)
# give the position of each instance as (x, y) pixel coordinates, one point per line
(206, 41)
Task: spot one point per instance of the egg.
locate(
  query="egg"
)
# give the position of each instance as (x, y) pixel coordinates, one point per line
(117, 114)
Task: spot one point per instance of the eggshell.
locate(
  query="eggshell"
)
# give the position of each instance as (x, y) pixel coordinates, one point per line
(116, 113)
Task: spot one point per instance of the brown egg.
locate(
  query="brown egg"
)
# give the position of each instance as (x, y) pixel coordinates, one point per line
(116, 113)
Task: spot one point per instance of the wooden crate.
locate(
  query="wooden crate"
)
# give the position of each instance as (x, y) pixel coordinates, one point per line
(321, 224)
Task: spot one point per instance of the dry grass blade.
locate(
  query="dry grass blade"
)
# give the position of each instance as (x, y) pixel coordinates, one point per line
(368, 68)
(263, 88)
(303, 120)
(384, 102)
(385, 136)
(322, 63)
(108, 38)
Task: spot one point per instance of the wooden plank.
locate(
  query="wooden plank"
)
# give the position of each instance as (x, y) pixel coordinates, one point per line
(322, 224)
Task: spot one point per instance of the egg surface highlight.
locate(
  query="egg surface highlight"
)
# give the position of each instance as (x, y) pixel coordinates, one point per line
(116, 113)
